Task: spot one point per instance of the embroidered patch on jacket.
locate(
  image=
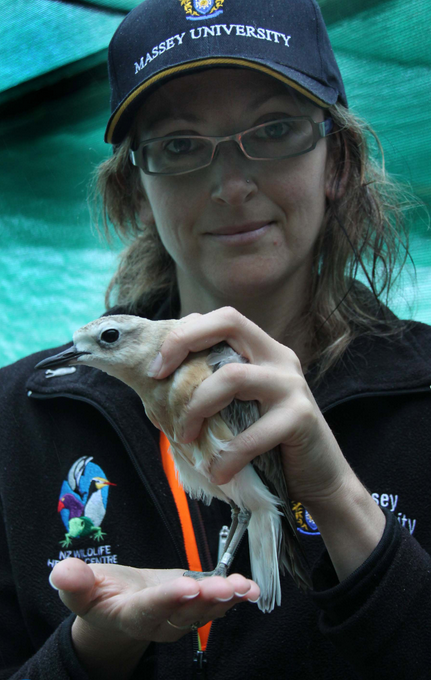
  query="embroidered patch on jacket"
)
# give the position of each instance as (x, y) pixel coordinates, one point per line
(83, 501)
(390, 502)
(202, 9)
(304, 521)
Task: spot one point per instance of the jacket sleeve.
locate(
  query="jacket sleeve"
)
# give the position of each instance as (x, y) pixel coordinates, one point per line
(32, 646)
(379, 618)
(55, 659)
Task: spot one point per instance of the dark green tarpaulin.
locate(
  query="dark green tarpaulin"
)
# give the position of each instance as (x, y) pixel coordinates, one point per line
(54, 105)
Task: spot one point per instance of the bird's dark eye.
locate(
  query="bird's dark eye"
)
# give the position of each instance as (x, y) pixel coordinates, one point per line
(110, 335)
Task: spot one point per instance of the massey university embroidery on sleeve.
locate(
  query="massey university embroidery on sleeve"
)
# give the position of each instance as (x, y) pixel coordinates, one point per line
(306, 524)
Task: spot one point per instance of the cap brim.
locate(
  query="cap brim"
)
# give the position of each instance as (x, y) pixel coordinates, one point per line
(121, 119)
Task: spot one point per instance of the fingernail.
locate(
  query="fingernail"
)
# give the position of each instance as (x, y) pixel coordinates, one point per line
(255, 601)
(51, 583)
(184, 598)
(155, 367)
(241, 594)
(225, 599)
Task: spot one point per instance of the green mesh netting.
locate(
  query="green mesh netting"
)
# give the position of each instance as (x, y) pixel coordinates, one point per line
(42, 41)
(53, 268)
(123, 5)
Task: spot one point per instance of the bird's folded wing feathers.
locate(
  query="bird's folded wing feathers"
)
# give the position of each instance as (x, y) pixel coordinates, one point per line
(239, 415)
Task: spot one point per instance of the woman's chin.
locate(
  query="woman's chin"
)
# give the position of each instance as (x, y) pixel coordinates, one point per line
(247, 285)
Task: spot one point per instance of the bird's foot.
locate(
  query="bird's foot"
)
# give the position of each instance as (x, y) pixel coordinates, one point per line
(220, 570)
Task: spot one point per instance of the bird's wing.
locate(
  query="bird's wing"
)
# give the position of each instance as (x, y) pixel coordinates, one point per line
(238, 416)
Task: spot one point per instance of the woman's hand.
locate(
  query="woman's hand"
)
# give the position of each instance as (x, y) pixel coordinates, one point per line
(120, 610)
(317, 474)
(313, 463)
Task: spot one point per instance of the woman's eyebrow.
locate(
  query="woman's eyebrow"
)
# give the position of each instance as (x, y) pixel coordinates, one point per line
(188, 117)
(157, 119)
(263, 98)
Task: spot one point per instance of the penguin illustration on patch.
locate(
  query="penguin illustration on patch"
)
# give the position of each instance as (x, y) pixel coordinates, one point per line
(83, 500)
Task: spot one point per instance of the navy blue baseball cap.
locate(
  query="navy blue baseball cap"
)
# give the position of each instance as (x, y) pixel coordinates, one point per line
(164, 39)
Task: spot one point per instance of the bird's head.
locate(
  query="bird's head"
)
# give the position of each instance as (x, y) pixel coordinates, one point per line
(121, 345)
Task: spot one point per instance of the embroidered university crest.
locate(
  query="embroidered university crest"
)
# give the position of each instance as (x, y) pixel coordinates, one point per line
(202, 9)
(304, 521)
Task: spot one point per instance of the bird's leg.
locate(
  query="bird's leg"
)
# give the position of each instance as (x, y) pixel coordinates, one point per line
(242, 518)
(238, 527)
(234, 512)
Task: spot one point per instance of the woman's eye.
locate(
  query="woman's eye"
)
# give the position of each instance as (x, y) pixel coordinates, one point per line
(110, 335)
(180, 145)
(275, 130)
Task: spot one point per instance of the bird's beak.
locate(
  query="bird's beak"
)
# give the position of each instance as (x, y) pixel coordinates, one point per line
(66, 358)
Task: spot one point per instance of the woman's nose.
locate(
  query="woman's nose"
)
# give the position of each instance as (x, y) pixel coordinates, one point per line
(231, 175)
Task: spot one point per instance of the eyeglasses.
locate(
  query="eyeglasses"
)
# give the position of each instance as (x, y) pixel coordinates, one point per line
(178, 154)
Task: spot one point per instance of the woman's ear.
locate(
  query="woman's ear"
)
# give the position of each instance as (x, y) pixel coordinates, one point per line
(337, 169)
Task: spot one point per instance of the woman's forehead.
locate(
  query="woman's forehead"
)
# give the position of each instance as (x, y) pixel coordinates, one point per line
(215, 88)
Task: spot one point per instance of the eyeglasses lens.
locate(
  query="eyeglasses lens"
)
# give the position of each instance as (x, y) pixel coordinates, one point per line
(276, 139)
(177, 154)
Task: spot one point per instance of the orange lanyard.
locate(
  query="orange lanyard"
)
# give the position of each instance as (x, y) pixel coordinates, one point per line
(179, 495)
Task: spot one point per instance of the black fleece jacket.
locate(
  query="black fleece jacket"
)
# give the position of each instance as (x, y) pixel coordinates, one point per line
(60, 432)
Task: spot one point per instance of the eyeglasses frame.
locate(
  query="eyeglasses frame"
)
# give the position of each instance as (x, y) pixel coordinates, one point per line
(320, 130)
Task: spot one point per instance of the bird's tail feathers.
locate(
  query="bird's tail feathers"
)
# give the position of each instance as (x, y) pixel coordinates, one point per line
(265, 535)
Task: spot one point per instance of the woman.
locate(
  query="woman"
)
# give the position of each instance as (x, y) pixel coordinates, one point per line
(256, 234)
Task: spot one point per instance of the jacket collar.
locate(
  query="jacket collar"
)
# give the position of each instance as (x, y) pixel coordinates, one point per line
(375, 365)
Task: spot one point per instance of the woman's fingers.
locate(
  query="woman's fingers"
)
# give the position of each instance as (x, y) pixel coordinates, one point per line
(204, 600)
(216, 597)
(313, 463)
(203, 332)
(139, 602)
(245, 382)
(267, 433)
(75, 581)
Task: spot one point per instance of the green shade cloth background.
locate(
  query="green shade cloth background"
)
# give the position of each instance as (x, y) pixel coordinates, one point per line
(54, 100)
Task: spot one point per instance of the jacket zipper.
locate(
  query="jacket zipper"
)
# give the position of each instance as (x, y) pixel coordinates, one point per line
(200, 658)
(200, 665)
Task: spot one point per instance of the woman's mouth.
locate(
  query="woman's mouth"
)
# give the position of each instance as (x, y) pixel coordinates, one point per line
(241, 234)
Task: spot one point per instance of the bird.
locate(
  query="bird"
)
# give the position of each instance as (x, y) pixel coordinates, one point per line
(124, 346)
